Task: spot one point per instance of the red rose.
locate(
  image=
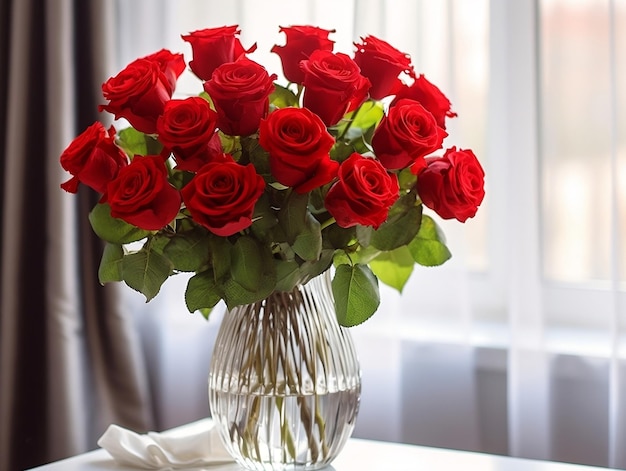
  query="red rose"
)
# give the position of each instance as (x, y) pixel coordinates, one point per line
(221, 196)
(213, 47)
(301, 41)
(364, 193)
(172, 65)
(381, 63)
(141, 194)
(430, 97)
(452, 185)
(333, 85)
(186, 127)
(240, 92)
(299, 146)
(407, 133)
(93, 159)
(139, 92)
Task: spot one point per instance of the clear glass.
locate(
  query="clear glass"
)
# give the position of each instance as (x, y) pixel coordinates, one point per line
(284, 385)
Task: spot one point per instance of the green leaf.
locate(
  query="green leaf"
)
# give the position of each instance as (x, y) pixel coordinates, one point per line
(301, 229)
(311, 269)
(292, 217)
(158, 242)
(406, 179)
(366, 118)
(282, 97)
(341, 151)
(364, 235)
(360, 145)
(369, 114)
(202, 292)
(399, 230)
(263, 218)
(236, 295)
(206, 96)
(247, 263)
(341, 257)
(365, 255)
(180, 178)
(337, 237)
(145, 271)
(220, 256)
(230, 144)
(355, 289)
(189, 250)
(113, 230)
(287, 275)
(251, 151)
(249, 260)
(428, 247)
(111, 263)
(394, 268)
(134, 142)
(308, 243)
(283, 251)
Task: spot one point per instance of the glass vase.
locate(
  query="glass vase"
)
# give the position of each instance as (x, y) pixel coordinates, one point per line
(284, 382)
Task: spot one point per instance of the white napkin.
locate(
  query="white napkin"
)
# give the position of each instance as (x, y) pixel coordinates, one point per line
(193, 445)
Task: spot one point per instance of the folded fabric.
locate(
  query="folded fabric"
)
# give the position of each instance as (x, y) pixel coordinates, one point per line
(194, 445)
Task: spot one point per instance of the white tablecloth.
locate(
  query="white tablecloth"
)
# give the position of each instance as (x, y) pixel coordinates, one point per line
(361, 455)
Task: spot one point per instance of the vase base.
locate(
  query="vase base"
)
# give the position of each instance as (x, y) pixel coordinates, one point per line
(300, 433)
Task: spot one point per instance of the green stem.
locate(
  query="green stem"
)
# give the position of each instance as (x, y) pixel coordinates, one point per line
(328, 222)
(283, 337)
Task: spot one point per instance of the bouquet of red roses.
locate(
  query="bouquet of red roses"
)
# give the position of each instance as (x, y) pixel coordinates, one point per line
(255, 187)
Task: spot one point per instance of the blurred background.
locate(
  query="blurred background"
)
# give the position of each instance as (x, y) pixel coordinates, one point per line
(515, 346)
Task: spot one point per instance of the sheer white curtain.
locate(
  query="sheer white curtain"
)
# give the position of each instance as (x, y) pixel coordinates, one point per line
(583, 156)
(516, 345)
(558, 113)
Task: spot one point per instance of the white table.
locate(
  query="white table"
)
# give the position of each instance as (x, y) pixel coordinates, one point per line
(360, 455)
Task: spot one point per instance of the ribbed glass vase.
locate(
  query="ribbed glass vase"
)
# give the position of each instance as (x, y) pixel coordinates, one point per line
(284, 384)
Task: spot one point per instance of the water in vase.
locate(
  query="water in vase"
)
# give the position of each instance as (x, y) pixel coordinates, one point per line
(268, 431)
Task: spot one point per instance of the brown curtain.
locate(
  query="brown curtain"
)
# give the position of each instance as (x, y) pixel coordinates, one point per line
(70, 360)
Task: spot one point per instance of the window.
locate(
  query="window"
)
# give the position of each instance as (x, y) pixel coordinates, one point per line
(538, 87)
(583, 161)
